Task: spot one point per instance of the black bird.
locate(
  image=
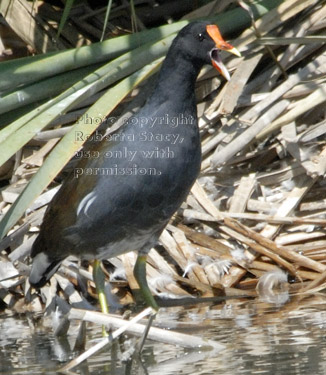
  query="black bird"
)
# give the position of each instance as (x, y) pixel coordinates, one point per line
(122, 200)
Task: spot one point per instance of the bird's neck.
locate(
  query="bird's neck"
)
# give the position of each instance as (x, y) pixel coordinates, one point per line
(176, 85)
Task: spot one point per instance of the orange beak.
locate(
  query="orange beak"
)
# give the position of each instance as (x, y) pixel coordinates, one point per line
(221, 44)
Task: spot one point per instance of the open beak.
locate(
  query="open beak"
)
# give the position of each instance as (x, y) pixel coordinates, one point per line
(221, 44)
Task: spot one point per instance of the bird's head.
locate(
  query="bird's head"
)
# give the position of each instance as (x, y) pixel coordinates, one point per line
(202, 42)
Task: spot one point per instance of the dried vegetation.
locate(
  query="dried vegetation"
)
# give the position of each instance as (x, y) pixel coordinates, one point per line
(254, 223)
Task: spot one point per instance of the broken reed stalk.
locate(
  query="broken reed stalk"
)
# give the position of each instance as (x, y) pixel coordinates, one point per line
(134, 328)
(279, 250)
(157, 334)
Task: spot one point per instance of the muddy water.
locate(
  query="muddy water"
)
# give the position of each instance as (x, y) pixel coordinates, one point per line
(259, 338)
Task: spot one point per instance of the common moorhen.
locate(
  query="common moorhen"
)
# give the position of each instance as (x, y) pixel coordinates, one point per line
(122, 199)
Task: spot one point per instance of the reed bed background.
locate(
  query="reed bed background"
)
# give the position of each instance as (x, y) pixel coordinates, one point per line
(254, 223)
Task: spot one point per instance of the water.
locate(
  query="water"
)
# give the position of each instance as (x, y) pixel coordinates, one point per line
(260, 338)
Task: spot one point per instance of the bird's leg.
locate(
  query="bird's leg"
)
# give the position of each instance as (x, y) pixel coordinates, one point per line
(99, 280)
(140, 275)
(141, 342)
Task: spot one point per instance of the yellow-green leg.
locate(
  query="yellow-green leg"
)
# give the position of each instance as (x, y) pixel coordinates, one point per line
(99, 280)
(140, 276)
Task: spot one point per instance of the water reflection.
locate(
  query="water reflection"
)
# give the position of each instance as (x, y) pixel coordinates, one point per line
(260, 338)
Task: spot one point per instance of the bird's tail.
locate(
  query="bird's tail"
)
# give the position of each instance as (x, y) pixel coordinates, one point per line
(44, 266)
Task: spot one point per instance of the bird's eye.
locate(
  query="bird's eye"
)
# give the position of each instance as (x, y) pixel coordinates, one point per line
(201, 37)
